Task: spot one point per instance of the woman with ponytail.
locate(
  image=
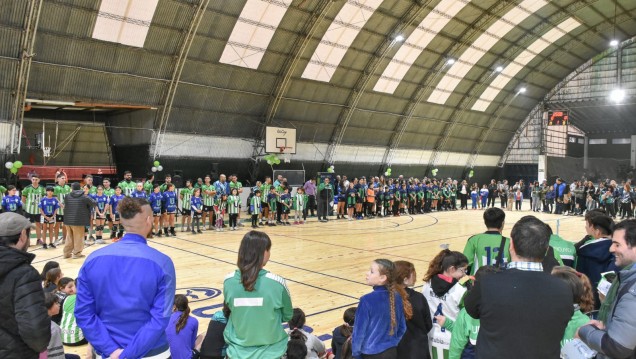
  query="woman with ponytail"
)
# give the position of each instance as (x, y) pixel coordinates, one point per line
(381, 315)
(445, 284)
(582, 297)
(420, 323)
(182, 329)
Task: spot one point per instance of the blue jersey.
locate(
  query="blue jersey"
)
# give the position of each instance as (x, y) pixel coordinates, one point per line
(170, 201)
(156, 200)
(114, 201)
(141, 194)
(100, 201)
(196, 204)
(11, 203)
(49, 205)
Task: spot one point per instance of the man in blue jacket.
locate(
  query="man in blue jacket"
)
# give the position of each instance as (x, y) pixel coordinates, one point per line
(559, 191)
(126, 291)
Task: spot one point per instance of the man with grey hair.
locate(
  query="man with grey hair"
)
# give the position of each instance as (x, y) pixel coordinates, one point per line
(25, 327)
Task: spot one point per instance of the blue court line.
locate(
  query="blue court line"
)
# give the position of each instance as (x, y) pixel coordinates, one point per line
(272, 261)
(233, 264)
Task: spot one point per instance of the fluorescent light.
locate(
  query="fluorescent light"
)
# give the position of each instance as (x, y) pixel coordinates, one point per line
(399, 38)
(499, 69)
(521, 90)
(614, 43)
(450, 61)
(617, 95)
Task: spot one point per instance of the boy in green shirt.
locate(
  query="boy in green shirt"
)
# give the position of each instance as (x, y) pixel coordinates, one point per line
(60, 191)
(185, 194)
(31, 197)
(482, 249)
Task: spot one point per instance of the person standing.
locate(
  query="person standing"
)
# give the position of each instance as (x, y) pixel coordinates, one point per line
(25, 327)
(310, 191)
(521, 299)
(483, 249)
(326, 195)
(420, 323)
(492, 193)
(31, 197)
(60, 190)
(613, 334)
(124, 313)
(77, 217)
(253, 292)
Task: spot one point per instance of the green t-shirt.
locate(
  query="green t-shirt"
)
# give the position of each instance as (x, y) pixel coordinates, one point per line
(270, 302)
(265, 191)
(237, 185)
(32, 197)
(565, 249)
(482, 249)
(71, 333)
(578, 320)
(208, 199)
(2, 189)
(465, 329)
(148, 187)
(60, 192)
(186, 196)
(127, 188)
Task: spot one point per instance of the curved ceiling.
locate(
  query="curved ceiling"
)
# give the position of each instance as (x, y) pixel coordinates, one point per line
(360, 72)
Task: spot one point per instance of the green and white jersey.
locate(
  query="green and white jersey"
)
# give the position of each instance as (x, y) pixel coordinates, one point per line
(71, 333)
(32, 197)
(300, 201)
(564, 248)
(270, 302)
(148, 187)
(60, 192)
(127, 187)
(465, 330)
(233, 203)
(208, 199)
(482, 250)
(256, 204)
(448, 306)
(186, 196)
(265, 191)
(237, 185)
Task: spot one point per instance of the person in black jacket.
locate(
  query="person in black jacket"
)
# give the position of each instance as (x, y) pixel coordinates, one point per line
(343, 333)
(523, 311)
(25, 327)
(414, 343)
(77, 216)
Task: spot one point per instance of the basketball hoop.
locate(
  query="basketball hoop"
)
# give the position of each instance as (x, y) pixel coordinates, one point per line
(282, 149)
(46, 151)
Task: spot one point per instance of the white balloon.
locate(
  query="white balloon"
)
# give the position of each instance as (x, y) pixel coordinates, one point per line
(153, 169)
(160, 168)
(8, 165)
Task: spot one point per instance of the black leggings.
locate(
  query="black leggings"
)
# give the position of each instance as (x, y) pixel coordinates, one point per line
(233, 217)
(390, 353)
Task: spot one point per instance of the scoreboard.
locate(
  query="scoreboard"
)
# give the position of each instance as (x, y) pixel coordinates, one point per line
(558, 118)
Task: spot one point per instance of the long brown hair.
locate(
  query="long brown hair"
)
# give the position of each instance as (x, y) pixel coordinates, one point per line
(387, 268)
(403, 270)
(52, 276)
(444, 260)
(181, 304)
(580, 285)
(349, 318)
(251, 256)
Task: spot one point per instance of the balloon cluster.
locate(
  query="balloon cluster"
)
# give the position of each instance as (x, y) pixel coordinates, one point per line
(156, 166)
(331, 169)
(471, 174)
(13, 167)
(272, 159)
(387, 173)
(434, 171)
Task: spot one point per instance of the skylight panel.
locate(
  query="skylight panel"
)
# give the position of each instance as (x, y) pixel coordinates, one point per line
(124, 21)
(419, 39)
(253, 32)
(338, 38)
(523, 59)
(481, 46)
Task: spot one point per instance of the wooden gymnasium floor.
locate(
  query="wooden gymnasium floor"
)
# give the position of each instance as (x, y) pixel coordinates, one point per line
(324, 263)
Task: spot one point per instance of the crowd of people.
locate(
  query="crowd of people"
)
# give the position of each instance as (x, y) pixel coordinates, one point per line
(567, 297)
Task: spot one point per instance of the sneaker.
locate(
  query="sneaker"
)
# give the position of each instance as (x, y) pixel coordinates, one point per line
(100, 241)
(52, 245)
(199, 231)
(193, 232)
(254, 226)
(59, 240)
(91, 238)
(39, 242)
(159, 234)
(295, 222)
(76, 256)
(240, 224)
(44, 246)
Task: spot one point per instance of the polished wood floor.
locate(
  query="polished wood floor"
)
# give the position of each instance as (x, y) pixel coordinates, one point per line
(324, 263)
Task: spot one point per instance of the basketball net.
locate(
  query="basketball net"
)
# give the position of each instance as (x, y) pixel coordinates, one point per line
(286, 156)
(46, 151)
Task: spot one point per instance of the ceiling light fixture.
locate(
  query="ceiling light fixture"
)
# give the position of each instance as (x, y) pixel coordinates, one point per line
(617, 95)
(399, 38)
(450, 61)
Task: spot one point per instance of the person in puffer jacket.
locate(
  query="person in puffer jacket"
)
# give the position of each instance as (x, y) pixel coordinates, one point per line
(25, 327)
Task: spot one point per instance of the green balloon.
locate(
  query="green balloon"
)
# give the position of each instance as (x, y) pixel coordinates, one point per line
(269, 162)
(14, 170)
(17, 164)
(156, 163)
(277, 161)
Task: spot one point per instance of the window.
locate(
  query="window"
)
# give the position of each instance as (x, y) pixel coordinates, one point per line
(621, 141)
(598, 141)
(124, 21)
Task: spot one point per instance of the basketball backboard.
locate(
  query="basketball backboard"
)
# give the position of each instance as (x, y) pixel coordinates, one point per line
(280, 140)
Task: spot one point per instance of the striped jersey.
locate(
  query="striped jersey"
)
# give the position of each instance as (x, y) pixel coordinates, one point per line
(265, 191)
(71, 333)
(60, 192)
(208, 199)
(220, 205)
(233, 203)
(33, 196)
(186, 195)
(256, 204)
(300, 200)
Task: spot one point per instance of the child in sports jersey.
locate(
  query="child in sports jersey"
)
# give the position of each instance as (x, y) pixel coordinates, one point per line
(300, 203)
(233, 202)
(100, 213)
(286, 203)
(351, 201)
(484, 196)
(156, 203)
(48, 210)
(139, 191)
(370, 201)
(404, 199)
(169, 205)
(219, 210)
(118, 231)
(265, 189)
(360, 192)
(186, 194)
(31, 197)
(379, 201)
(341, 198)
(255, 206)
(272, 202)
(380, 320)
(108, 192)
(196, 209)
(61, 189)
(208, 195)
(11, 202)
(473, 197)
(388, 201)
